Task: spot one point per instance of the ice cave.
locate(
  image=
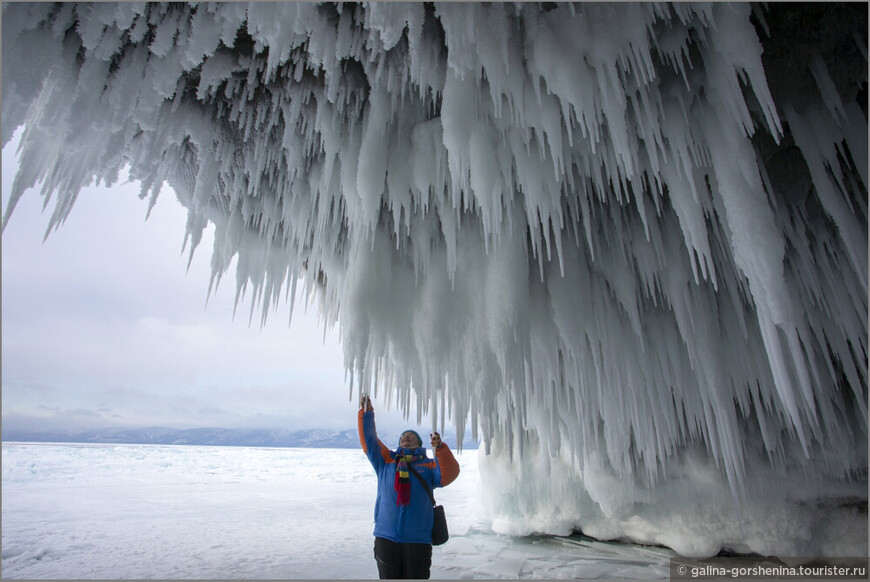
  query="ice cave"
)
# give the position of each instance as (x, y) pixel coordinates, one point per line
(626, 242)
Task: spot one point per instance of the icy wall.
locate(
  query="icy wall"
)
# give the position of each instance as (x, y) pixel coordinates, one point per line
(628, 241)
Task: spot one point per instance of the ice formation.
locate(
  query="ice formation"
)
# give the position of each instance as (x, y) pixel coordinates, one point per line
(600, 232)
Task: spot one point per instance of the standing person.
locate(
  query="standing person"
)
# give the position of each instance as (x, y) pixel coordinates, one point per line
(403, 510)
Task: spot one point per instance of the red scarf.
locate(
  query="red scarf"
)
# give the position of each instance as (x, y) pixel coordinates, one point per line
(403, 478)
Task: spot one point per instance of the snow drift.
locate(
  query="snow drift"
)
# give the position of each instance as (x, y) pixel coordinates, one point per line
(601, 232)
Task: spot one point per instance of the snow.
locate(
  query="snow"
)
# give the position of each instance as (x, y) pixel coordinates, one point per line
(572, 237)
(691, 512)
(185, 512)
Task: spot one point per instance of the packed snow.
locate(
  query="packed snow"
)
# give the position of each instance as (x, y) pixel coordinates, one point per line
(552, 219)
(187, 512)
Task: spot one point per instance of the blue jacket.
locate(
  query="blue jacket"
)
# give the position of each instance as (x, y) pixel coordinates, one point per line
(411, 523)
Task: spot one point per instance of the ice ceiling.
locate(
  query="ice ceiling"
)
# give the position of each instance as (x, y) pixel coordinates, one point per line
(624, 231)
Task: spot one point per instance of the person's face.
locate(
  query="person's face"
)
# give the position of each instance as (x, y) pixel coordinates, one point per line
(408, 441)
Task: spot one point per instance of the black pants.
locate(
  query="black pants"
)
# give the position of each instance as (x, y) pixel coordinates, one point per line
(397, 561)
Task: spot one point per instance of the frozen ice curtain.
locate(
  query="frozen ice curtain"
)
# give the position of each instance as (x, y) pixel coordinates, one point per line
(611, 235)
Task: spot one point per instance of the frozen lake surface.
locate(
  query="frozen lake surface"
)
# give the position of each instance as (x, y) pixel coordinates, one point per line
(181, 512)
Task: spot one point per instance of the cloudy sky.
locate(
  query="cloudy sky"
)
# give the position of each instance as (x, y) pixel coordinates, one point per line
(103, 326)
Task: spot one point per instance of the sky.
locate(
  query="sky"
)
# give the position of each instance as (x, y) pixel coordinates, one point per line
(104, 326)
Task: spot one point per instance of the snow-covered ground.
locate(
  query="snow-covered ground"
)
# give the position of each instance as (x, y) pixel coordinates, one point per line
(151, 511)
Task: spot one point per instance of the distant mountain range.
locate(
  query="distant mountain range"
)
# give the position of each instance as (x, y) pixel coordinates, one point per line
(235, 437)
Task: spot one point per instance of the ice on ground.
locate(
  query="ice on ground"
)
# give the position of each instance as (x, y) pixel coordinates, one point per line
(151, 511)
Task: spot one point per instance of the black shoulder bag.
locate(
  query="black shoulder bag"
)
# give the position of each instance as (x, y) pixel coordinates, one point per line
(439, 522)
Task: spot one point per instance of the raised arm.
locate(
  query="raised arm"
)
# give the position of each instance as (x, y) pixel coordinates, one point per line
(375, 450)
(447, 463)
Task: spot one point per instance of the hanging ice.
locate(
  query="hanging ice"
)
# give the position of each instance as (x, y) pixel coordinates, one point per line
(599, 231)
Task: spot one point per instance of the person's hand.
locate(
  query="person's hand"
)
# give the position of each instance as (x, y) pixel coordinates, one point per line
(366, 403)
(436, 440)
